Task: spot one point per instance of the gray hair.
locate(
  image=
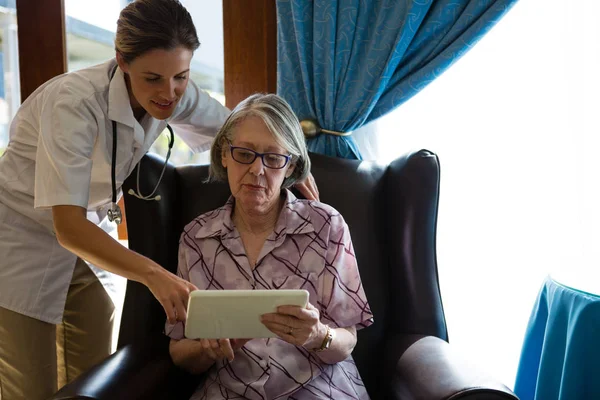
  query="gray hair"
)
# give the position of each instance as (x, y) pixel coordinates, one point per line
(145, 25)
(283, 124)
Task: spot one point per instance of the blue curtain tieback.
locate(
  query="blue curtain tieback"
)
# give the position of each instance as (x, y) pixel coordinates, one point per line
(311, 129)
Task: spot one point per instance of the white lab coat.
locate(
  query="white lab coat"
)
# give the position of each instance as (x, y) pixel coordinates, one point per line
(60, 153)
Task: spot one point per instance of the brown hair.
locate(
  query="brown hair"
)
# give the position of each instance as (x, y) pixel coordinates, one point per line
(146, 25)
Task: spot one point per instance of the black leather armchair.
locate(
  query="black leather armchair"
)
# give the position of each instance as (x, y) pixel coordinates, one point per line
(392, 214)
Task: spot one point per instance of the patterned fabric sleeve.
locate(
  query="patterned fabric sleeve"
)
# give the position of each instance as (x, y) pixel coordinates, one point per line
(176, 331)
(344, 303)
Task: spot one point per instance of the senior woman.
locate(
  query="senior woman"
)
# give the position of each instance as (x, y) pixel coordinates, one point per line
(265, 238)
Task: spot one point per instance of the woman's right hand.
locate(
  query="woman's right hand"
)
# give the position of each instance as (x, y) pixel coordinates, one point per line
(197, 356)
(217, 349)
(171, 291)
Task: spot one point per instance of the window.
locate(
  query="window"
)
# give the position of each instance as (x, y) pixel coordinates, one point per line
(514, 124)
(207, 70)
(10, 95)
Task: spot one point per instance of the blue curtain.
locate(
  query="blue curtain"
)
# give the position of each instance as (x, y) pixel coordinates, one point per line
(345, 63)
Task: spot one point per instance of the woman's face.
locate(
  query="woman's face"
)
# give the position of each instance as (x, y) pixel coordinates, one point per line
(255, 187)
(157, 80)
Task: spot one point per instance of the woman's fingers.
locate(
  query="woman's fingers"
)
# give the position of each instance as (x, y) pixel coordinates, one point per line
(304, 314)
(180, 309)
(285, 332)
(191, 286)
(176, 306)
(277, 327)
(226, 348)
(282, 322)
(308, 188)
(313, 184)
(296, 325)
(183, 290)
(237, 344)
(170, 311)
(208, 349)
(173, 293)
(289, 331)
(217, 349)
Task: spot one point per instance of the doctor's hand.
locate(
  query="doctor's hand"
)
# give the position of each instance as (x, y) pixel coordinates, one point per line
(308, 188)
(171, 291)
(296, 325)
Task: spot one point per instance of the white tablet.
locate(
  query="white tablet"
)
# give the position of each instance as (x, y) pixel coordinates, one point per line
(235, 314)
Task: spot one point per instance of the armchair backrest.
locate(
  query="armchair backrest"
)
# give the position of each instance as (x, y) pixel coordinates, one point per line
(391, 211)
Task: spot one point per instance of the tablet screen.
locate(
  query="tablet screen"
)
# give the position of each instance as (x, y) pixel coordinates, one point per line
(235, 314)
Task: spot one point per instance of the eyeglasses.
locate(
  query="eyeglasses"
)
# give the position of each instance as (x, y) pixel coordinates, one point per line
(269, 160)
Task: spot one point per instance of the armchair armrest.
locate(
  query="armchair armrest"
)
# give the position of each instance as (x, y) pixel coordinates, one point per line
(136, 371)
(429, 369)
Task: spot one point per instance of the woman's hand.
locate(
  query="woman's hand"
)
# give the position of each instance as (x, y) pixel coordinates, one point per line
(83, 238)
(197, 356)
(308, 188)
(296, 325)
(217, 349)
(171, 291)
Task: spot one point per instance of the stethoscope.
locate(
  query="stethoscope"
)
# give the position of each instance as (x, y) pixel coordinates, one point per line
(114, 212)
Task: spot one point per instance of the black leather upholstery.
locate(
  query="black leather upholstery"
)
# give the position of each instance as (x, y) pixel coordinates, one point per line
(392, 214)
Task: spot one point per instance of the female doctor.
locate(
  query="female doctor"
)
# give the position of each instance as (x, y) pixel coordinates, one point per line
(60, 165)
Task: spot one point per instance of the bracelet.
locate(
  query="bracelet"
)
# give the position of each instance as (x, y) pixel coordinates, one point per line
(329, 335)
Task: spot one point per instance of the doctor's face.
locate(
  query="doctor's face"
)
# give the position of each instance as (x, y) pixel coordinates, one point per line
(157, 80)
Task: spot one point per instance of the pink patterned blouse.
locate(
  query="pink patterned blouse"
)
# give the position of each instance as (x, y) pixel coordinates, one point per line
(310, 249)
